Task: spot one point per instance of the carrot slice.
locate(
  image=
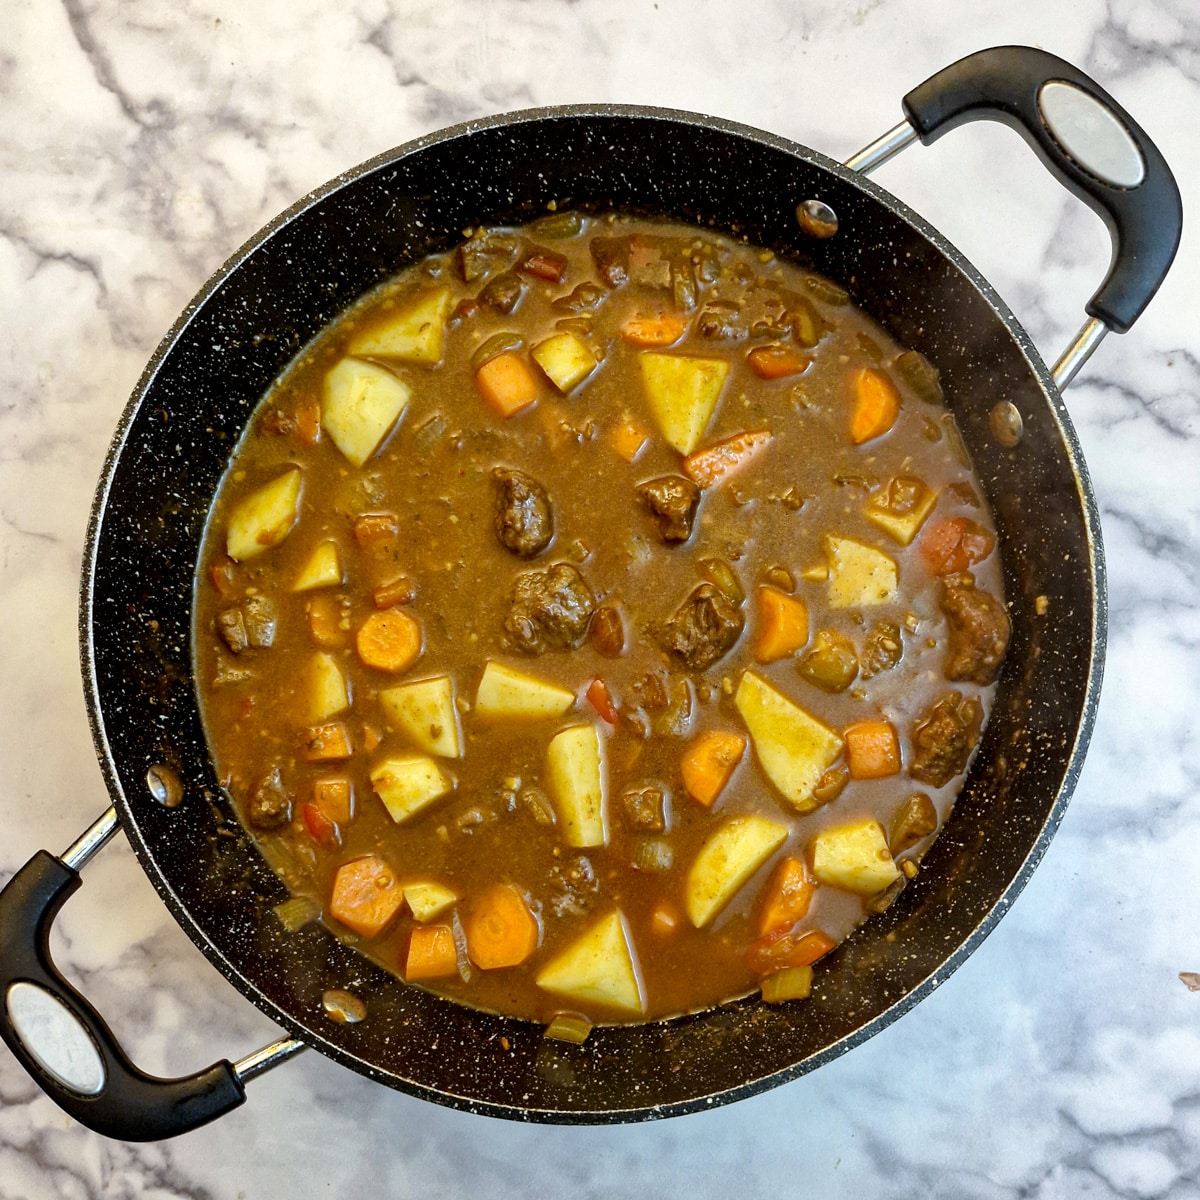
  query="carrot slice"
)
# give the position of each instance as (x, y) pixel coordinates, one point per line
(319, 825)
(782, 949)
(876, 405)
(308, 422)
(325, 620)
(507, 383)
(601, 700)
(500, 929)
(872, 750)
(955, 544)
(708, 763)
(782, 625)
(628, 440)
(366, 895)
(787, 897)
(774, 362)
(335, 799)
(324, 743)
(432, 953)
(717, 463)
(654, 331)
(389, 640)
(370, 528)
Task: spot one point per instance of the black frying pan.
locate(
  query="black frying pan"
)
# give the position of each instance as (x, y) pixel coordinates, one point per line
(276, 293)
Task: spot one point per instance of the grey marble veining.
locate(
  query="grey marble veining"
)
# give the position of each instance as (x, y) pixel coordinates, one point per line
(143, 143)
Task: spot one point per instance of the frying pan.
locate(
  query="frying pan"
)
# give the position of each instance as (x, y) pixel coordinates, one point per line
(297, 275)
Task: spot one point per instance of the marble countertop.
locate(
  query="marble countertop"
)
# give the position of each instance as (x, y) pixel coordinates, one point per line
(143, 142)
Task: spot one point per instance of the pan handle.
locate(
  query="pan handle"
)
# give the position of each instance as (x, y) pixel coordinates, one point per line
(65, 1045)
(1087, 141)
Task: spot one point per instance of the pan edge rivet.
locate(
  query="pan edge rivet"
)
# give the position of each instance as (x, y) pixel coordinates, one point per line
(817, 219)
(164, 786)
(1005, 423)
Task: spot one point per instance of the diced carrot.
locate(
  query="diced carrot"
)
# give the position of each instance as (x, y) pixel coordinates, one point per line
(366, 895)
(335, 798)
(370, 528)
(371, 737)
(628, 439)
(953, 545)
(500, 929)
(719, 462)
(654, 331)
(308, 422)
(599, 698)
(708, 763)
(782, 625)
(326, 743)
(389, 640)
(319, 825)
(787, 896)
(325, 620)
(401, 590)
(872, 750)
(507, 383)
(784, 948)
(221, 574)
(774, 362)
(432, 953)
(664, 920)
(876, 405)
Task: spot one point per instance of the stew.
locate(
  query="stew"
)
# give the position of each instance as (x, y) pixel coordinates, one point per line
(597, 621)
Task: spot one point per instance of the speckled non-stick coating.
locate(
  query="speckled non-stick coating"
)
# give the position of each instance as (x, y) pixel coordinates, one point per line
(298, 274)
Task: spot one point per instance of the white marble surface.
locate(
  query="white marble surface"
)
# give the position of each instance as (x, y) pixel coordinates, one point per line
(143, 141)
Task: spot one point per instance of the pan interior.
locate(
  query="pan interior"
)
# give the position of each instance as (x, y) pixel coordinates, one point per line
(275, 295)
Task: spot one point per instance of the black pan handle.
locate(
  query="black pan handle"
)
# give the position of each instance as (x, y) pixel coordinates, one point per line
(1087, 141)
(97, 1085)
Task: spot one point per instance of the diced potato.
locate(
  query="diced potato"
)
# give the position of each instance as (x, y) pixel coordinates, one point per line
(265, 517)
(362, 403)
(566, 360)
(729, 856)
(859, 575)
(323, 569)
(793, 747)
(598, 968)
(575, 776)
(328, 694)
(682, 392)
(427, 899)
(409, 783)
(854, 857)
(425, 710)
(415, 334)
(511, 695)
(900, 508)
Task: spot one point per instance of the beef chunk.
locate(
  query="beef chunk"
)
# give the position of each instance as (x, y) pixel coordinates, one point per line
(252, 626)
(573, 886)
(979, 631)
(673, 500)
(722, 320)
(524, 521)
(944, 739)
(503, 292)
(270, 804)
(231, 625)
(611, 256)
(645, 808)
(550, 609)
(882, 650)
(704, 628)
(484, 253)
(585, 298)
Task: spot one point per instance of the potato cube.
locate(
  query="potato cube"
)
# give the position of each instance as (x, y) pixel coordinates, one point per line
(598, 968)
(566, 360)
(682, 393)
(414, 334)
(265, 517)
(794, 748)
(328, 694)
(323, 569)
(362, 402)
(409, 783)
(900, 508)
(508, 694)
(575, 777)
(854, 858)
(729, 857)
(425, 710)
(427, 899)
(859, 575)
